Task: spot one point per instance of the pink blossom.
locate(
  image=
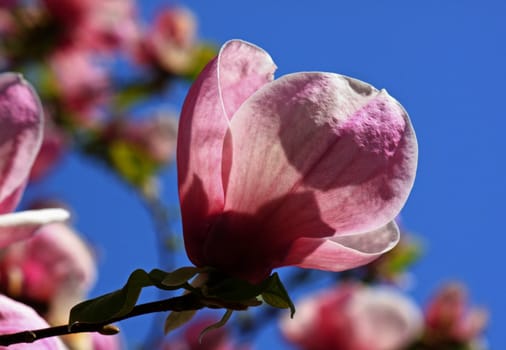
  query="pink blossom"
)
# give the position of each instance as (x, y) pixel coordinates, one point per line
(105, 342)
(55, 267)
(217, 339)
(82, 83)
(449, 318)
(17, 317)
(111, 24)
(8, 3)
(170, 43)
(21, 126)
(354, 317)
(7, 22)
(95, 24)
(155, 136)
(70, 11)
(309, 170)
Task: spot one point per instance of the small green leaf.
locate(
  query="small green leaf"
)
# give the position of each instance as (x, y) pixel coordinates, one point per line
(180, 276)
(204, 52)
(133, 164)
(177, 319)
(116, 304)
(276, 295)
(216, 325)
(131, 94)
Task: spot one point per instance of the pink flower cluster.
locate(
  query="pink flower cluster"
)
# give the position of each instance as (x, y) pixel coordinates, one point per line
(70, 48)
(54, 268)
(355, 317)
(449, 319)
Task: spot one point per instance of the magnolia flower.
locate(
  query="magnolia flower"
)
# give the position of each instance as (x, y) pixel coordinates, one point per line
(106, 342)
(354, 317)
(16, 317)
(448, 317)
(171, 41)
(307, 170)
(95, 24)
(21, 126)
(82, 83)
(216, 339)
(155, 137)
(55, 268)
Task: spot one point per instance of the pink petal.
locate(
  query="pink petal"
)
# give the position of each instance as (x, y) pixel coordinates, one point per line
(342, 252)
(384, 319)
(349, 144)
(21, 127)
(16, 317)
(238, 71)
(10, 202)
(21, 225)
(106, 342)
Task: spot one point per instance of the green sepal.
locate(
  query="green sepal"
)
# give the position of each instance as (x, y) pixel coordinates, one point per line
(119, 303)
(232, 289)
(216, 325)
(271, 290)
(181, 276)
(176, 319)
(275, 294)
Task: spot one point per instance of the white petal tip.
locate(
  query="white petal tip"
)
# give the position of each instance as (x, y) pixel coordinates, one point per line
(34, 217)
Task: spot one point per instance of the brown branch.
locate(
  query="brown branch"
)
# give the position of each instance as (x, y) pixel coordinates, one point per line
(181, 303)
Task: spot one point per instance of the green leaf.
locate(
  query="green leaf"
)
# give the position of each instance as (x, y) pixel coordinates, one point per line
(110, 306)
(276, 295)
(134, 165)
(129, 95)
(204, 52)
(177, 319)
(180, 276)
(216, 325)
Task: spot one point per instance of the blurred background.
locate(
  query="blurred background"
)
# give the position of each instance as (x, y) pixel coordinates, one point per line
(444, 61)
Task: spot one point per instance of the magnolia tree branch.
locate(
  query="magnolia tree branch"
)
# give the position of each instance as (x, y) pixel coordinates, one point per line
(181, 303)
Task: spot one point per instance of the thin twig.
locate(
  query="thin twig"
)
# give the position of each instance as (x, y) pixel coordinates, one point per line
(181, 303)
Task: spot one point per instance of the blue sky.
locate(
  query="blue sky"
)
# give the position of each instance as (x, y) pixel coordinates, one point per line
(443, 60)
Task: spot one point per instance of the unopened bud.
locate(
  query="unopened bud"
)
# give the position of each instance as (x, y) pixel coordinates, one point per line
(109, 330)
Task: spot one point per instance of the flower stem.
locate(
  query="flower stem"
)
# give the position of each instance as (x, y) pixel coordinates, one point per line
(181, 303)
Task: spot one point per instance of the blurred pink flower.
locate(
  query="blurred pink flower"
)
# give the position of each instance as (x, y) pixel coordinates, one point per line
(21, 125)
(7, 23)
(217, 339)
(170, 42)
(82, 83)
(95, 24)
(17, 317)
(70, 11)
(155, 136)
(8, 3)
(354, 317)
(449, 318)
(308, 170)
(55, 268)
(111, 24)
(105, 342)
